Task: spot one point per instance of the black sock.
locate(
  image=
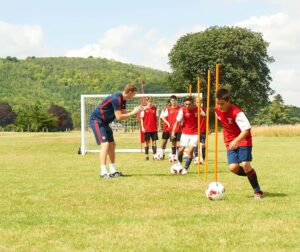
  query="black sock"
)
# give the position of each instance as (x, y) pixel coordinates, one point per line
(154, 150)
(174, 150)
(180, 156)
(187, 162)
(146, 150)
(253, 180)
(241, 172)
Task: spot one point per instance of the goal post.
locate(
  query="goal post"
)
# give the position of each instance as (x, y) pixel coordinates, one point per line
(128, 131)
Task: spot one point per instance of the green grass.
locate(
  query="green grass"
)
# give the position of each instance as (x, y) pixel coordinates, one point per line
(52, 200)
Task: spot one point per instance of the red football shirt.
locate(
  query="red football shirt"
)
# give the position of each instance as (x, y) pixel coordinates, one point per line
(149, 117)
(189, 120)
(171, 114)
(234, 121)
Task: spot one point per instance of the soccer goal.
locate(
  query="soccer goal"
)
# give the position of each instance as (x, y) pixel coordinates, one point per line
(127, 132)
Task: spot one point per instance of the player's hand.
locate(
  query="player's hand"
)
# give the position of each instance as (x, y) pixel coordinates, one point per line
(233, 145)
(173, 137)
(138, 109)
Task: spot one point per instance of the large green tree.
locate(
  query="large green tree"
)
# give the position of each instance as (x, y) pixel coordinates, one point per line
(242, 55)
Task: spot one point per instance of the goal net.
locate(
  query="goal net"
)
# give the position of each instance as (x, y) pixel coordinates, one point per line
(127, 132)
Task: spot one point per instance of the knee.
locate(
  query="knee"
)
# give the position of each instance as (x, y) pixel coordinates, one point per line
(234, 168)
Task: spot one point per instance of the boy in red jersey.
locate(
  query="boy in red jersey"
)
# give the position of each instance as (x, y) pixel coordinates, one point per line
(165, 128)
(169, 117)
(149, 126)
(188, 115)
(237, 138)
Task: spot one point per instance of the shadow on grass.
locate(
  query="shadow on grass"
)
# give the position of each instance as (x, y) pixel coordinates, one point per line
(274, 194)
(147, 175)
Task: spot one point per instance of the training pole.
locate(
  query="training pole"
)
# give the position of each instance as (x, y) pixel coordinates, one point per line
(216, 128)
(207, 123)
(199, 126)
(190, 89)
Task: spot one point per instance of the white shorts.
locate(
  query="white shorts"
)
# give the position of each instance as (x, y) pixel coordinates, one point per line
(188, 140)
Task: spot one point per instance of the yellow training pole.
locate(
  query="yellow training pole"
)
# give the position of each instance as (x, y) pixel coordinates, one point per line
(199, 104)
(190, 89)
(216, 128)
(207, 123)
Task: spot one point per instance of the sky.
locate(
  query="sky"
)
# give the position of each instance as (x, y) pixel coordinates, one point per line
(144, 32)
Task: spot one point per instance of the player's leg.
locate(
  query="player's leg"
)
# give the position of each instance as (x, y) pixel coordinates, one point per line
(147, 140)
(192, 143)
(100, 137)
(184, 140)
(154, 137)
(164, 140)
(245, 157)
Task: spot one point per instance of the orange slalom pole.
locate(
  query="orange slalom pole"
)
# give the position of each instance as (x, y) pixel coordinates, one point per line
(207, 123)
(199, 103)
(216, 128)
(190, 89)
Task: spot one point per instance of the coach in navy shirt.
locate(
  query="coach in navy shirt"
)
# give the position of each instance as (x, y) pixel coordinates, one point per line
(113, 107)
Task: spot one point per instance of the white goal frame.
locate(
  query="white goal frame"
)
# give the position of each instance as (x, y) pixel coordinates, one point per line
(85, 129)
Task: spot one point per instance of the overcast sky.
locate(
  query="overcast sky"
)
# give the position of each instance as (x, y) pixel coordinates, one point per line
(143, 32)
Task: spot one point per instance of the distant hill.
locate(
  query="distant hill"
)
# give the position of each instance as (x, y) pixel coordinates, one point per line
(62, 80)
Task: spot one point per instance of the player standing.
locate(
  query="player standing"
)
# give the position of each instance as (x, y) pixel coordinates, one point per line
(169, 117)
(149, 119)
(113, 107)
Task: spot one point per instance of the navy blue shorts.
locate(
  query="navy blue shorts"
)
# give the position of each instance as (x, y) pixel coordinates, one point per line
(103, 133)
(241, 154)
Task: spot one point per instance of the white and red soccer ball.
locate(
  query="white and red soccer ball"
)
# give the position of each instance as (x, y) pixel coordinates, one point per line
(176, 169)
(215, 191)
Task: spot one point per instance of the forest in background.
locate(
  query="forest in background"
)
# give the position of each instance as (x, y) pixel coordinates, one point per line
(34, 85)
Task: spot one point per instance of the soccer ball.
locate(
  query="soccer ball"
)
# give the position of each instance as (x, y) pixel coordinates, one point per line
(176, 169)
(215, 191)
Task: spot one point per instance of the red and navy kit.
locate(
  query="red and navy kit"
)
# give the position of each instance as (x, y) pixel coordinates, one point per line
(105, 112)
(149, 117)
(230, 127)
(103, 115)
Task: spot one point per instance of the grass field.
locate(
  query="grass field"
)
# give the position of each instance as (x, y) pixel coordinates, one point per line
(53, 200)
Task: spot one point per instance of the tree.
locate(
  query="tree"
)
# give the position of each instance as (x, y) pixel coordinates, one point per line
(242, 55)
(7, 116)
(276, 113)
(63, 118)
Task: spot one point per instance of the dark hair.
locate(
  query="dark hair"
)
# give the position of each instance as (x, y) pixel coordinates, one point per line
(173, 97)
(223, 94)
(189, 98)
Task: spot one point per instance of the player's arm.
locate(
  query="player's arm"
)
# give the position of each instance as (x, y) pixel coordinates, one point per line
(244, 125)
(163, 117)
(142, 121)
(177, 123)
(121, 116)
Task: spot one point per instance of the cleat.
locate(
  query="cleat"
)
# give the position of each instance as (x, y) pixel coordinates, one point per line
(184, 171)
(196, 160)
(106, 176)
(146, 158)
(258, 195)
(117, 174)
